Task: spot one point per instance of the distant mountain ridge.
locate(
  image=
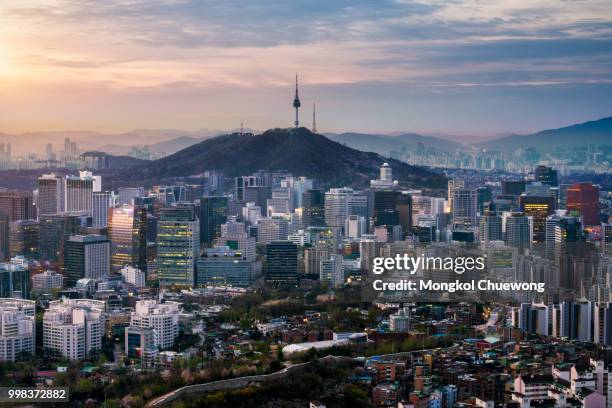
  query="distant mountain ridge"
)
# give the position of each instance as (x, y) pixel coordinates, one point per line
(595, 132)
(384, 144)
(296, 150)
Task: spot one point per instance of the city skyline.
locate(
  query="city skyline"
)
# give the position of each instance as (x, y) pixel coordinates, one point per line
(465, 68)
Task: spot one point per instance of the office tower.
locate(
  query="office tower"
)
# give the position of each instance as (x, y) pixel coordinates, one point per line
(332, 271)
(86, 256)
(73, 328)
(79, 191)
(577, 320)
(223, 265)
(5, 244)
(299, 186)
(50, 194)
(484, 195)
(518, 230)
(452, 186)
(385, 180)
(369, 248)
(251, 213)
(602, 324)
(102, 202)
(490, 228)
(162, 318)
(178, 246)
(606, 239)
(15, 278)
(16, 205)
(140, 344)
(281, 202)
(583, 200)
(313, 257)
(313, 205)
(17, 329)
(465, 206)
(547, 175)
(213, 213)
(24, 238)
(513, 187)
(55, 229)
(281, 257)
(562, 201)
(399, 322)
(256, 188)
(385, 207)
(272, 229)
(355, 227)
(538, 208)
(128, 194)
(534, 318)
(336, 206)
(234, 236)
(127, 232)
(134, 276)
(47, 281)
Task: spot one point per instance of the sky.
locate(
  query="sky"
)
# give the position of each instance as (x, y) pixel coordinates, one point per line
(459, 67)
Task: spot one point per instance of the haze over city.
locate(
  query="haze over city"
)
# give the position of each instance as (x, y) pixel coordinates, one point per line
(468, 68)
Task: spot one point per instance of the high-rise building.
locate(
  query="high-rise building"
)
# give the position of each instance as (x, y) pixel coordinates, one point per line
(178, 246)
(162, 318)
(17, 328)
(50, 194)
(355, 226)
(332, 271)
(140, 344)
(518, 230)
(16, 205)
(73, 328)
(577, 320)
(547, 175)
(234, 236)
(336, 206)
(272, 229)
(602, 324)
(281, 257)
(513, 187)
(534, 318)
(453, 184)
(54, 232)
(281, 202)
(127, 231)
(86, 256)
(399, 322)
(583, 200)
(313, 208)
(538, 208)
(606, 240)
(5, 244)
(465, 206)
(213, 213)
(24, 238)
(102, 202)
(79, 191)
(15, 278)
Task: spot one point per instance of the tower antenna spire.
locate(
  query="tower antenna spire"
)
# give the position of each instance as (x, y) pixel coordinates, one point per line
(296, 103)
(314, 118)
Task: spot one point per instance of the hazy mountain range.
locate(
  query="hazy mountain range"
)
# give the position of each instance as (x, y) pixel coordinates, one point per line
(168, 141)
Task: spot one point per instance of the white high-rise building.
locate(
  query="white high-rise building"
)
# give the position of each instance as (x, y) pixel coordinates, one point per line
(134, 276)
(332, 271)
(74, 327)
(336, 206)
(50, 194)
(399, 322)
(101, 202)
(17, 328)
(162, 318)
(355, 226)
(79, 191)
(251, 213)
